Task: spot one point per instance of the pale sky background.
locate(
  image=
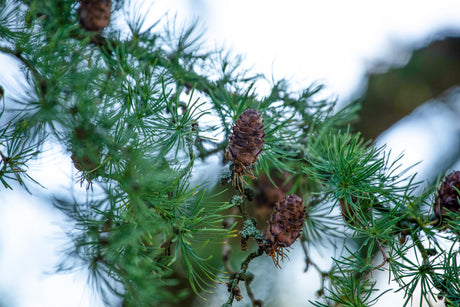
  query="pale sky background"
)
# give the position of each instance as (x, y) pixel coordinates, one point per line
(328, 41)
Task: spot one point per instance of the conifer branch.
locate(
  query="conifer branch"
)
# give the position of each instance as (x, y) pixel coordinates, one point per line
(240, 276)
(116, 104)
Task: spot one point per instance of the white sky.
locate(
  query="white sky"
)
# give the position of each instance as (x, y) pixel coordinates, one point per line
(332, 41)
(329, 41)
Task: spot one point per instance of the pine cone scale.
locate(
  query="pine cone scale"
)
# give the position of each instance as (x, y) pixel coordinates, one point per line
(446, 199)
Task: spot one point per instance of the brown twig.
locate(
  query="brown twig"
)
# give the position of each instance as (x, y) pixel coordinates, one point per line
(241, 275)
(370, 270)
(249, 230)
(385, 257)
(248, 281)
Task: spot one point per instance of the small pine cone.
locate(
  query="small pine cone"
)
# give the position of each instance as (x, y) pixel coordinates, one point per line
(244, 244)
(246, 141)
(94, 15)
(83, 163)
(267, 194)
(285, 225)
(237, 293)
(447, 197)
(86, 148)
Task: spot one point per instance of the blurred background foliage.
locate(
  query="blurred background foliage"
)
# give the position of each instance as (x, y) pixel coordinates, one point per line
(430, 72)
(431, 75)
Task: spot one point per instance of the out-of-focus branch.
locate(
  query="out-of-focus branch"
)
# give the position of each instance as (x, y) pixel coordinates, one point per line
(240, 276)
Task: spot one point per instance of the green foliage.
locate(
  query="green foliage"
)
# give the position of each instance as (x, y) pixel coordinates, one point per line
(139, 112)
(16, 149)
(199, 225)
(349, 290)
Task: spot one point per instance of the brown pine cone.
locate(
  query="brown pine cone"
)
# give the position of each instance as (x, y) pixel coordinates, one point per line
(285, 225)
(447, 197)
(246, 142)
(94, 15)
(268, 194)
(86, 148)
